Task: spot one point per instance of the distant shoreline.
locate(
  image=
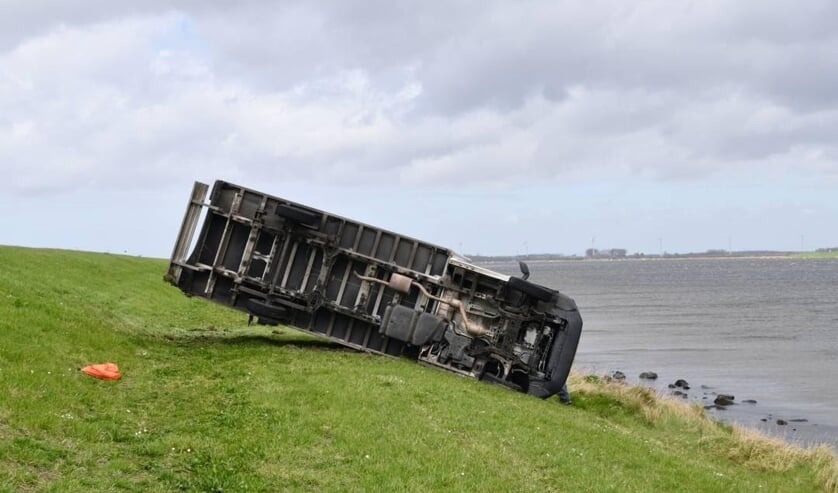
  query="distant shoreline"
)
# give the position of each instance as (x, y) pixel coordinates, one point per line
(665, 256)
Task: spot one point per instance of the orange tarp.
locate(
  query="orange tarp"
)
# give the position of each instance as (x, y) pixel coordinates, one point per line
(105, 371)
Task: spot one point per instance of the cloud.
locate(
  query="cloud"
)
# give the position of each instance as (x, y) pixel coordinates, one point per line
(480, 95)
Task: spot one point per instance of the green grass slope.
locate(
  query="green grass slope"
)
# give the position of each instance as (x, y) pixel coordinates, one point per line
(208, 404)
(816, 255)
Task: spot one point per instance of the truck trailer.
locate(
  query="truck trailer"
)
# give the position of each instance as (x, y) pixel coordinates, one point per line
(282, 262)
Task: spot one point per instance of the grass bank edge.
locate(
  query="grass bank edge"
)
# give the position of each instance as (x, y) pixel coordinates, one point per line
(743, 445)
(124, 294)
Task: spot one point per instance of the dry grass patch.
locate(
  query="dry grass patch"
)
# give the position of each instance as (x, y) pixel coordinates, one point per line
(745, 446)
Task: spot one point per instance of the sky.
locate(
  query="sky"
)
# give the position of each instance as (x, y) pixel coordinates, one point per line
(490, 127)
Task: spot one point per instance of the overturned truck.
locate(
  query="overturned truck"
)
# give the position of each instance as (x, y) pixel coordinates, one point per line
(374, 290)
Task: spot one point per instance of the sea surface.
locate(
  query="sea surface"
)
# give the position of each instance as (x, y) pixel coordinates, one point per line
(763, 329)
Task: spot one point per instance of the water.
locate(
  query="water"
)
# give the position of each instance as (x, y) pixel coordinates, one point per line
(763, 329)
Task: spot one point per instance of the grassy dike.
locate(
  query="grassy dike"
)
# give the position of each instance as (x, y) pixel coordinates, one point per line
(816, 255)
(209, 404)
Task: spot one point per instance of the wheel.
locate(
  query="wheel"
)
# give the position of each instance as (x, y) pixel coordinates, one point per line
(272, 222)
(530, 289)
(265, 310)
(297, 215)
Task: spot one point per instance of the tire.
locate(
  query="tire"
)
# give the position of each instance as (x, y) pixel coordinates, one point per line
(265, 310)
(272, 222)
(297, 215)
(531, 289)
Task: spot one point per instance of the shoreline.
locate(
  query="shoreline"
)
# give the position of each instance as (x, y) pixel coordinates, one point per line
(786, 423)
(648, 258)
(717, 324)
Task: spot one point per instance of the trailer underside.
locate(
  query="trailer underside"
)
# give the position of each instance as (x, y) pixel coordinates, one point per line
(374, 290)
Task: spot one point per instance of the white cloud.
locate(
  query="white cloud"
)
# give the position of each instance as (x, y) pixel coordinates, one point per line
(320, 92)
(465, 96)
